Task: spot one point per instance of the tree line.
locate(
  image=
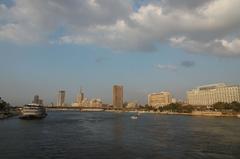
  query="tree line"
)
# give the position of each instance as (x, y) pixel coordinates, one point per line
(4, 106)
(183, 108)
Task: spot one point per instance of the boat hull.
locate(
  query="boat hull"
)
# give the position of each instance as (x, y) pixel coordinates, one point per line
(32, 117)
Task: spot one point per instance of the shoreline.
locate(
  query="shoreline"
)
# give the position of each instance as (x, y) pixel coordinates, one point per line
(194, 113)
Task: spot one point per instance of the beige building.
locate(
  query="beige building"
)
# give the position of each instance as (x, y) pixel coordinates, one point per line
(159, 99)
(117, 96)
(210, 94)
(132, 105)
(79, 99)
(95, 103)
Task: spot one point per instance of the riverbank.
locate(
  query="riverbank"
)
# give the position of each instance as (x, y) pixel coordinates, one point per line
(194, 113)
(204, 113)
(5, 115)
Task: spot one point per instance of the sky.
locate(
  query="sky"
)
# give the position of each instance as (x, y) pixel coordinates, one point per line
(145, 45)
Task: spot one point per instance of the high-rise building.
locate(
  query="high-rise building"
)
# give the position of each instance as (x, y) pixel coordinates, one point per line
(40, 102)
(159, 99)
(36, 99)
(213, 93)
(80, 97)
(117, 96)
(61, 98)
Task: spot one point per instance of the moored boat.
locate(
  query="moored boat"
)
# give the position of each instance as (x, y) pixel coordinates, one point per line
(33, 111)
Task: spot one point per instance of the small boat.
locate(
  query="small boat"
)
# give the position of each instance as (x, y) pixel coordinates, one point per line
(135, 116)
(33, 111)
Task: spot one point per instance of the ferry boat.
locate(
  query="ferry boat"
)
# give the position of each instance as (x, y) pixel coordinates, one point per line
(33, 111)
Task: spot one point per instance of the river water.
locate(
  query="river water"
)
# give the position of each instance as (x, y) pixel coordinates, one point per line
(103, 135)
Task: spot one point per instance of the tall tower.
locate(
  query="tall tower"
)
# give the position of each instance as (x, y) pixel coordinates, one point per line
(36, 99)
(80, 97)
(61, 98)
(117, 96)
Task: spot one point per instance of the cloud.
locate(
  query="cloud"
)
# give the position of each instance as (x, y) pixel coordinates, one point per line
(167, 67)
(218, 47)
(206, 26)
(188, 64)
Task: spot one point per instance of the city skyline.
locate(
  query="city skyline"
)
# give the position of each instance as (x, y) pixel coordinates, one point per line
(145, 45)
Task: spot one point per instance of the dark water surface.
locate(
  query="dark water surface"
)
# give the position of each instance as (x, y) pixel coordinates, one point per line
(75, 135)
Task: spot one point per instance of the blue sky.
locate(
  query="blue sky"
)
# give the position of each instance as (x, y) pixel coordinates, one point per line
(139, 48)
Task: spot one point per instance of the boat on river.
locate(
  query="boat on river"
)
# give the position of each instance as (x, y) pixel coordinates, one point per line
(135, 116)
(33, 111)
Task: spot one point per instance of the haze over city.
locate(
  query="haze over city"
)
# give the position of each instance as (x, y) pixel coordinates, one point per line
(145, 45)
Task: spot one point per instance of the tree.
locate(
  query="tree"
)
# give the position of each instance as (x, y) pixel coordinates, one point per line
(4, 106)
(219, 106)
(235, 106)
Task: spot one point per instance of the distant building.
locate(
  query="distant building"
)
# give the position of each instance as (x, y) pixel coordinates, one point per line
(36, 99)
(61, 98)
(132, 105)
(117, 96)
(159, 99)
(75, 104)
(213, 93)
(85, 103)
(174, 100)
(95, 103)
(40, 102)
(80, 98)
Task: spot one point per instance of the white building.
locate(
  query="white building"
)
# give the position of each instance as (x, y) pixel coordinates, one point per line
(213, 93)
(131, 105)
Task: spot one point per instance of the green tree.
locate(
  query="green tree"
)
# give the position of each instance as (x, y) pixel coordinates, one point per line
(4, 106)
(235, 106)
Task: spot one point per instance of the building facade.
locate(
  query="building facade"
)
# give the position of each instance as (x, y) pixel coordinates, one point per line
(210, 94)
(117, 96)
(159, 99)
(61, 98)
(95, 103)
(132, 105)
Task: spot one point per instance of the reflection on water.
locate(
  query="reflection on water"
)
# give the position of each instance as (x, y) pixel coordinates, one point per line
(77, 135)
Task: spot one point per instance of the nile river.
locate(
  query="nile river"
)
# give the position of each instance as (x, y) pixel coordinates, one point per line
(80, 135)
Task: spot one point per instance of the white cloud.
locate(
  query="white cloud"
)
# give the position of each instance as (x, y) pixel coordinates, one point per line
(218, 47)
(206, 26)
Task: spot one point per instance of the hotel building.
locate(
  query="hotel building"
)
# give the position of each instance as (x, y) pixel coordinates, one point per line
(159, 99)
(213, 93)
(117, 96)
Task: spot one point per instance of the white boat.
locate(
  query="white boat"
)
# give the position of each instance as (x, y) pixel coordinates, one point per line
(135, 116)
(33, 111)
